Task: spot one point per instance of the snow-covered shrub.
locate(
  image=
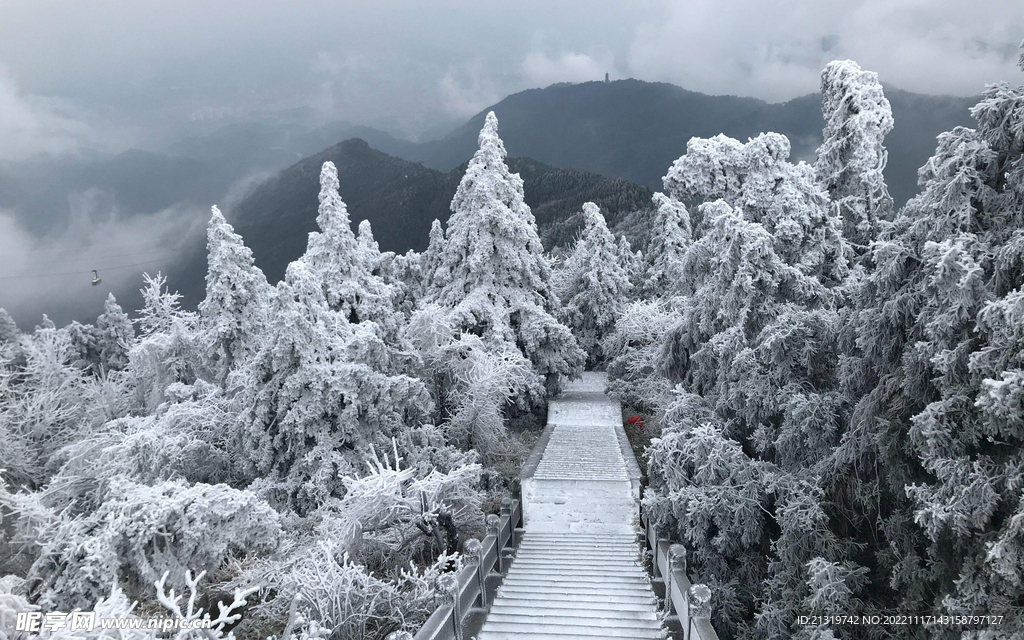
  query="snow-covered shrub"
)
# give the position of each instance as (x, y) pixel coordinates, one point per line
(188, 440)
(139, 532)
(333, 592)
(42, 402)
(114, 605)
(634, 347)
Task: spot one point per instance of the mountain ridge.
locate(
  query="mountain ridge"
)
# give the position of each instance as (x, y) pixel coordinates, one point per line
(634, 130)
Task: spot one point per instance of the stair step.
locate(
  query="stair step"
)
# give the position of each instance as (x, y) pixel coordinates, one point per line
(572, 619)
(575, 572)
(637, 598)
(636, 589)
(532, 631)
(562, 609)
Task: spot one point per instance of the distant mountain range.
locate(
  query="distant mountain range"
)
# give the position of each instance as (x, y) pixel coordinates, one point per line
(594, 132)
(634, 130)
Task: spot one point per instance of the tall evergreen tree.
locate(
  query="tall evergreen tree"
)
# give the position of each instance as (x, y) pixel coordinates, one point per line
(233, 316)
(8, 327)
(105, 346)
(934, 370)
(670, 237)
(334, 255)
(318, 396)
(496, 280)
(752, 349)
(593, 285)
(852, 156)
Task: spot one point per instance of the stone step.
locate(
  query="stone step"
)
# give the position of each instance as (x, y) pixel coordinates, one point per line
(574, 609)
(573, 619)
(594, 581)
(564, 544)
(568, 563)
(581, 547)
(547, 568)
(626, 600)
(541, 631)
(579, 589)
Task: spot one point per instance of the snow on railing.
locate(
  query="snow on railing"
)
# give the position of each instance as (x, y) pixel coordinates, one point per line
(467, 594)
(686, 605)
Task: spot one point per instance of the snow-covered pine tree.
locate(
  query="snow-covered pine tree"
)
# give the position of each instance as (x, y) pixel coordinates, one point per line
(117, 335)
(167, 350)
(593, 285)
(318, 396)
(493, 278)
(104, 347)
(8, 327)
(754, 340)
(344, 266)
(233, 316)
(936, 374)
(670, 237)
(432, 259)
(632, 262)
(852, 156)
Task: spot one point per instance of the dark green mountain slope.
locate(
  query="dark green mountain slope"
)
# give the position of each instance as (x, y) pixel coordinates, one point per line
(634, 130)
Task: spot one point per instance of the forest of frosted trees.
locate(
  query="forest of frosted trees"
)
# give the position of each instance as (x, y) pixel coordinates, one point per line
(837, 388)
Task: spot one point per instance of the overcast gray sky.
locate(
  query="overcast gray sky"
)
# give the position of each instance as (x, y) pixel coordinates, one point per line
(100, 72)
(77, 75)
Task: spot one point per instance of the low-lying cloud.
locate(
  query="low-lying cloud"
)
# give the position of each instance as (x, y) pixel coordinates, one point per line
(31, 125)
(52, 274)
(540, 69)
(776, 50)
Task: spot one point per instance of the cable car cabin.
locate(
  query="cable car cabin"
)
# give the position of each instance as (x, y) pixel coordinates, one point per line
(95, 278)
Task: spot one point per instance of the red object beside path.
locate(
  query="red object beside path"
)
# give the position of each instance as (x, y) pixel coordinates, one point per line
(634, 419)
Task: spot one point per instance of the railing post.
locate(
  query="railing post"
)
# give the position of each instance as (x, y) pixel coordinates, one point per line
(676, 560)
(474, 551)
(700, 604)
(494, 529)
(506, 510)
(448, 585)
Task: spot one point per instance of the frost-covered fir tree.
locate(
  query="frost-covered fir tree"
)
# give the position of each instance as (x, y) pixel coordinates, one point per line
(318, 396)
(493, 278)
(935, 369)
(168, 350)
(752, 349)
(104, 347)
(233, 316)
(344, 265)
(593, 284)
(8, 327)
(852, 156)
(432, 259)
(670, 237)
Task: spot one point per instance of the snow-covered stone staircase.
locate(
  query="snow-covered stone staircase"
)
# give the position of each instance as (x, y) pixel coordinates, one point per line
(578, 571)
